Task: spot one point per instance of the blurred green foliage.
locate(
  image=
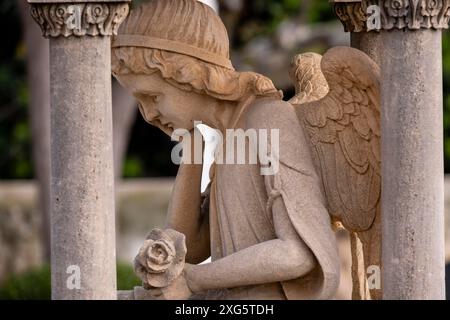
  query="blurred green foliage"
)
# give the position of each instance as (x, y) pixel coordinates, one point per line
(126, 278)
(133, 167)
(15, 144)
(446, 76)
(35, 284)
(263, 17)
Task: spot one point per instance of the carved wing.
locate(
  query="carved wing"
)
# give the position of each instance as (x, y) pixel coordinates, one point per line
(344, 130)
(310, 84)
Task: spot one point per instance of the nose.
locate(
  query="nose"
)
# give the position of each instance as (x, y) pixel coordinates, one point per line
(150, 113)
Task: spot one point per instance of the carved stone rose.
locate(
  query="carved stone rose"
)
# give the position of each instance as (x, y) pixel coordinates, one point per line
(161, 258)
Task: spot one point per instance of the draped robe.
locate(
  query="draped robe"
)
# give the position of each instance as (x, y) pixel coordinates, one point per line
(241, 215)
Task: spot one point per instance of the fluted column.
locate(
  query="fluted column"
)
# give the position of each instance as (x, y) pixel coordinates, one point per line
(83, 260)
(412, 147)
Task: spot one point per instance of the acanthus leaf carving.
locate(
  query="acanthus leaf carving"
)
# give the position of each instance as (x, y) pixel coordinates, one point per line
(79, 19)
(395, 14)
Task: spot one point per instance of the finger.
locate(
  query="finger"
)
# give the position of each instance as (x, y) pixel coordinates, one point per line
(156, 292)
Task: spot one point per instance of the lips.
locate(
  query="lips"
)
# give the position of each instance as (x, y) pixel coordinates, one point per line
(165, 127)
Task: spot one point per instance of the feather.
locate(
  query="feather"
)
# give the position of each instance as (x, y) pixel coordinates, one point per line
(344, 131)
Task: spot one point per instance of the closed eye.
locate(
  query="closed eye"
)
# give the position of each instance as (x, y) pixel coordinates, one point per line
(146, 95)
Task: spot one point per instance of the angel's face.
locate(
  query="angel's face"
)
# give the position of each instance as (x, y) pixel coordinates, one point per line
(162, 104)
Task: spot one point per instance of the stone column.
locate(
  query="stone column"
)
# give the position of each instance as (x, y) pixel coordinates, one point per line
(412, 149)
(83, 259)
(353, 15)
(413, 264)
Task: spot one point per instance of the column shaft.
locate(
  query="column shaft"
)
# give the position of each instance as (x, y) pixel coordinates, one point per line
(369, 43)
(412, 165)
(82, 182)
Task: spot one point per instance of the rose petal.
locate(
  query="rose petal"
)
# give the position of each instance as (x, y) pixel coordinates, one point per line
(156, 234)
(161, 258)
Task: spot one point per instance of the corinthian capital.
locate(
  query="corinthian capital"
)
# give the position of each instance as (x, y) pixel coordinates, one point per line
(356, 15)
(79, 17)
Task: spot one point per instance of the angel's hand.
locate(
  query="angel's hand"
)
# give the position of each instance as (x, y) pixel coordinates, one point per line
(177, 290)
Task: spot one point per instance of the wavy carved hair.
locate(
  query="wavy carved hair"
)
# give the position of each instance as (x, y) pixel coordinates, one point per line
(195, 24)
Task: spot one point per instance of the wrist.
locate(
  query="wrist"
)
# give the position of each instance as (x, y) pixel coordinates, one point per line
(189, 275)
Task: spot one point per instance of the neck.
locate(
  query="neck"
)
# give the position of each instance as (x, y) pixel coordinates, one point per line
(227, 114)
(221, 116)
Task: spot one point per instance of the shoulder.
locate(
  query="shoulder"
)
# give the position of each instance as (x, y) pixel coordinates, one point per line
(270, 113)
(280, 117)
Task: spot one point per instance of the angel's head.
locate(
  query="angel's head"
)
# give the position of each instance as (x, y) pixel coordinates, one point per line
(173, 55)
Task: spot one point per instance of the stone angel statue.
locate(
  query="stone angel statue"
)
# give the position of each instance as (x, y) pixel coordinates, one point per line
(269, 236)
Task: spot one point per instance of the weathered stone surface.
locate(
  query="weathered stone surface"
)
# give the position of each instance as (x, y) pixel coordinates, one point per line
(394, 14)
(79, 19)
(82, 178)
(180, 73)
(161, 258)
(408, 48)
(413, 227)
(369, 43)
(82, 168)
(344, 130)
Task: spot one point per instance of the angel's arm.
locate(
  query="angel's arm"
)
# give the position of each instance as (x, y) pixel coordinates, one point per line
(284, 258)
(287, 256)
(184, 213)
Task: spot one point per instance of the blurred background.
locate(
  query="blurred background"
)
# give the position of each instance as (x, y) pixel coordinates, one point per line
(264, 36)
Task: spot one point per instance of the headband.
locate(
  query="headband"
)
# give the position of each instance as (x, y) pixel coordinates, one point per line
(132, 40)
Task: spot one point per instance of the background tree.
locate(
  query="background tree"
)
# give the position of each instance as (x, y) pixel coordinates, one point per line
(38, 80)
